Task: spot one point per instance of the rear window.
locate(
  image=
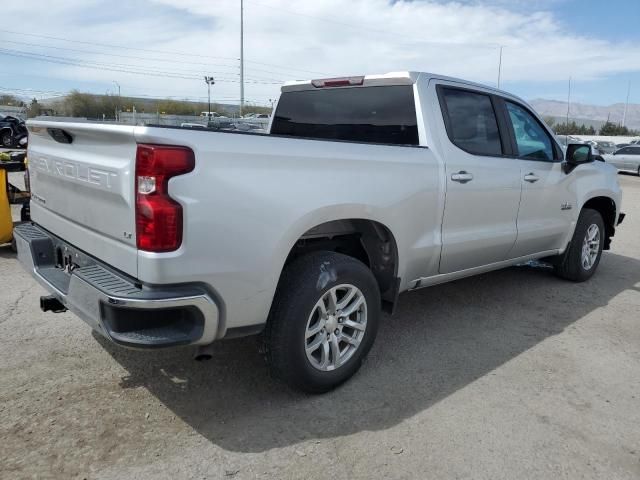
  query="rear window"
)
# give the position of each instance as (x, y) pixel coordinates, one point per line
(471, 121)
(362, 114)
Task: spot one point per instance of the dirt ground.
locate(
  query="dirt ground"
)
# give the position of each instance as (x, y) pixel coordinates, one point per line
(510, 375)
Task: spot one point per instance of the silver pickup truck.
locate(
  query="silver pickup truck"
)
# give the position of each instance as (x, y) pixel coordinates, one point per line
(364, 187)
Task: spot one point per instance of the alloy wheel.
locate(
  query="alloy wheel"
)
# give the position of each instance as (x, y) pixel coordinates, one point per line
(590, 247)
(336, 327)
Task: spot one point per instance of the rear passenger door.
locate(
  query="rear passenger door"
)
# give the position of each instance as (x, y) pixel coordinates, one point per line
(548, 195)
(482, 182)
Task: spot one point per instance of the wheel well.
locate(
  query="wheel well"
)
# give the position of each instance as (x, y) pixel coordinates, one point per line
(366, 240)
(607, 209)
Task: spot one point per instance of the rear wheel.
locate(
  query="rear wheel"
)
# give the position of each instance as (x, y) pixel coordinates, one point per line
(323, 321)
(580, 260)
(6, 138)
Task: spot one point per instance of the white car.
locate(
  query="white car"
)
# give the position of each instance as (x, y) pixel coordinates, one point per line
(626, 159)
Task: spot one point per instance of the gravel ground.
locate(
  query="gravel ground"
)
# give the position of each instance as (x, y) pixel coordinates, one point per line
(514, 374)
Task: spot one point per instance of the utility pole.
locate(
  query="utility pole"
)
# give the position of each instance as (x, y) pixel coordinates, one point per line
(500, 65)
(119, 101)
(241, 56)
(626, 105)
(209, 81)
(568, 103)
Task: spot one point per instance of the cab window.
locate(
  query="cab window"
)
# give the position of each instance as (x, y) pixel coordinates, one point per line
(471, 121)
(532, 140)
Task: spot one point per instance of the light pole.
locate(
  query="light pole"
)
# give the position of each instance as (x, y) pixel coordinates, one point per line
(568, 103)
(210, 81)
(626, 105)
(500, 65)
(118, 106)
(241, 56)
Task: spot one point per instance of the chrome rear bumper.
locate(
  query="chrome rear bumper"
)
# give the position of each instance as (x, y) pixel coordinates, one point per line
(119, 307)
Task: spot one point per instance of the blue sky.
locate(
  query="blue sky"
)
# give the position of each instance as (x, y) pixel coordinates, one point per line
(163, 47)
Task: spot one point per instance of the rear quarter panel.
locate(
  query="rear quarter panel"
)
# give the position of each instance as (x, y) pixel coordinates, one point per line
(251, 197)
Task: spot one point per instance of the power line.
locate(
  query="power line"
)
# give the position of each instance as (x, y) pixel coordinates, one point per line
(124, 68)
(126, 65)
(163, 52)
(133, 57)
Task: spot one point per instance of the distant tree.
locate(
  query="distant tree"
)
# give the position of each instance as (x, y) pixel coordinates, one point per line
(613, 129)
(549, 121)
(573, 129)
(78, 104)
(11, 100)
(34, 109)
(184, 107)
(256, 109)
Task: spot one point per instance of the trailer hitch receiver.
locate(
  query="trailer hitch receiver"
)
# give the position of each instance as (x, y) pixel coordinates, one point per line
(49, 303)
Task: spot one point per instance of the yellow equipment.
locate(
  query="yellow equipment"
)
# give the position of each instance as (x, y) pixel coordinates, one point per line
(6, 222)
(9, 194)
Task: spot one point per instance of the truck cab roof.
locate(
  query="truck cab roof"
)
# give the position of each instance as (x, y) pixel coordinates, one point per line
(389, 78)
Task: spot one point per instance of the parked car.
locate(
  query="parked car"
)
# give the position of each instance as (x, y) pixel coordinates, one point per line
(162, 237)
(605, 147)
(626, 159)
(248, 127)
(13, 132)
(212, 115)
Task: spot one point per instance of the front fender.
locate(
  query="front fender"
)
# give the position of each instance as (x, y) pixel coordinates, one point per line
(598, 179)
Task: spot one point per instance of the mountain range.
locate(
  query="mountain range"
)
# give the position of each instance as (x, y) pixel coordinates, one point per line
(594, 115)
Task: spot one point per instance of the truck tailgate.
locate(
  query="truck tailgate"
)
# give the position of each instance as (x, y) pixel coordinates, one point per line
(82, 184)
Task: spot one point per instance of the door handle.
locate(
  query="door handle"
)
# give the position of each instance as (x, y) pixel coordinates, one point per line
(531, 178)
(462, 177)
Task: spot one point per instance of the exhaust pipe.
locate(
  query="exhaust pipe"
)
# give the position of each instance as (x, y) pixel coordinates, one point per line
(204, 353)
(50, 303)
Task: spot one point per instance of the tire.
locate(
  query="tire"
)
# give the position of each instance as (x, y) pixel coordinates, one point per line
(572, 265)
(304, 291)
(6, 139)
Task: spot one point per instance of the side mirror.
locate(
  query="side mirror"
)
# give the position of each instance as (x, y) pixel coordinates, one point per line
(577, 154)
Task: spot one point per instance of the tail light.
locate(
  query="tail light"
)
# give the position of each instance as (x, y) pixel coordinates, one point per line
(158, 216)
